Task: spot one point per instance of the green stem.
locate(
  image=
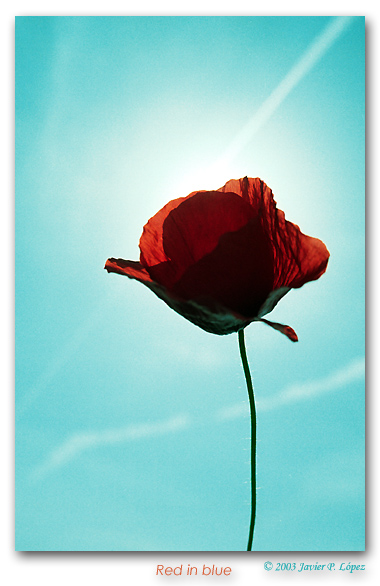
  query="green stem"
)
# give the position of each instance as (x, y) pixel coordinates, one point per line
(248, 379)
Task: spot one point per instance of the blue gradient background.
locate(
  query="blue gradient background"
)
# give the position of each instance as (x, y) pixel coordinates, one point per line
(132, 429)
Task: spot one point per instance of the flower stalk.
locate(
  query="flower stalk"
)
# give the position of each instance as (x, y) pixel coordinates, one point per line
(248, 379)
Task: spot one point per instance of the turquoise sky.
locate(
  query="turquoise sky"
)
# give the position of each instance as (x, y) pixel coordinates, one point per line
(132, 428)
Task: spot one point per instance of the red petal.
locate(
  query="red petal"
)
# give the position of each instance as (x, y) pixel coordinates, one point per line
(129, 268)
(287, 330)
(223, 259)
(151, 241)
(189, 232)
(298, 258)
(237, 274)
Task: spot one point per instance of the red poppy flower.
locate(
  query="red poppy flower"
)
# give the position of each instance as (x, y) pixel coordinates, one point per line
(223, 259)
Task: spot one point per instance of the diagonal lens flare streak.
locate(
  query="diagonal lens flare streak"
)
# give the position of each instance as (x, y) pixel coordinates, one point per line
(313, 54)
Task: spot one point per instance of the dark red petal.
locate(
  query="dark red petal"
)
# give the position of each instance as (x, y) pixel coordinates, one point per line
(298, 258)
(193, 229)
(237, 274)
